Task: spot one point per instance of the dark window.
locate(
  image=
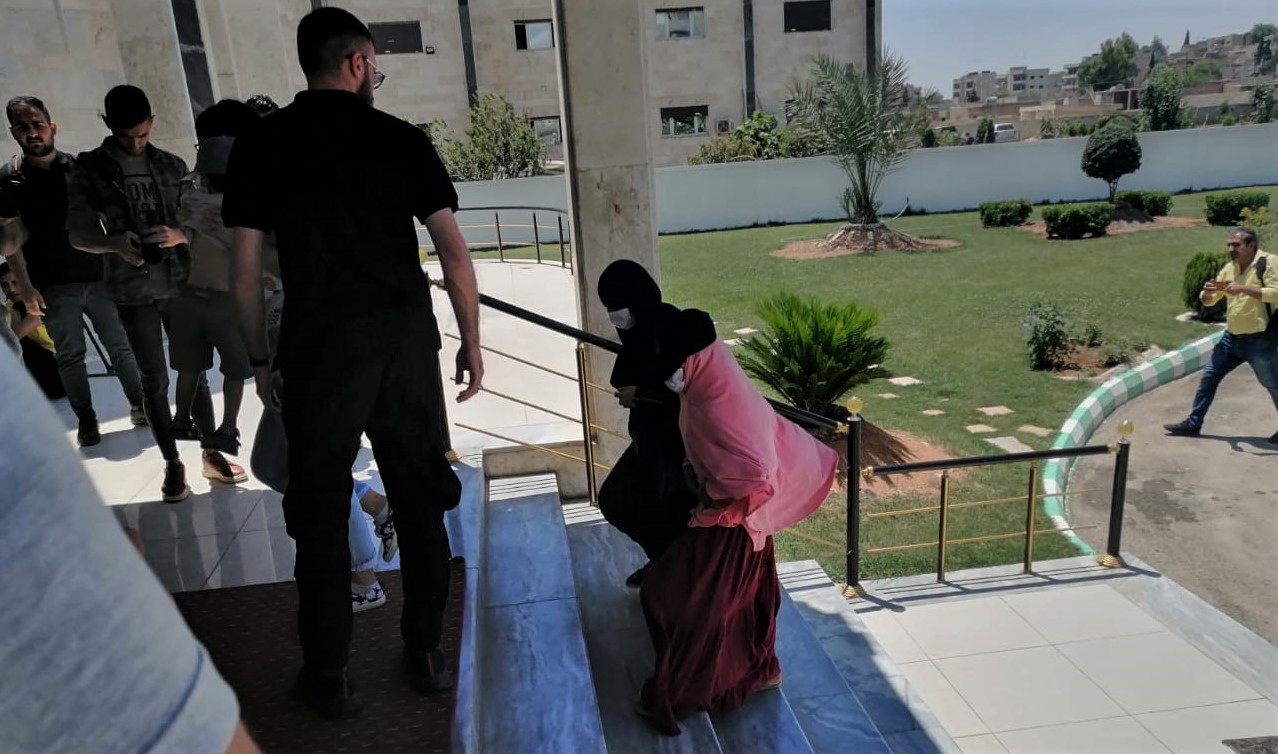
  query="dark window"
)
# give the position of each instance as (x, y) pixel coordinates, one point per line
(534, 35)
(390, 39)
(681, 23)
(685, 121)
(807, 15)
(548, 130)
(195, 63)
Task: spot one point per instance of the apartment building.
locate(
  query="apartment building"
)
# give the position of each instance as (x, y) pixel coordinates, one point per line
(709, 62)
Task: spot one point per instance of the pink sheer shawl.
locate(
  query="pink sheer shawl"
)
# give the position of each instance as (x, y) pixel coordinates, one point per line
(770, 473)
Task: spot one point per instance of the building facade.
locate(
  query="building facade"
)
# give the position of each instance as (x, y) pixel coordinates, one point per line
(708, 65)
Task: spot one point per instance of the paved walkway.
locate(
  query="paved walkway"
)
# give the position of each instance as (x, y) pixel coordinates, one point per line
(1075, 659)
(1203, 511)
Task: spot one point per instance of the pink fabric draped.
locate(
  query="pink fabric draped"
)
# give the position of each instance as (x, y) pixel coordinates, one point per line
(763, 471)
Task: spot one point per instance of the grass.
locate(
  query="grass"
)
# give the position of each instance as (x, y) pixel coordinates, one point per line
(953, 318)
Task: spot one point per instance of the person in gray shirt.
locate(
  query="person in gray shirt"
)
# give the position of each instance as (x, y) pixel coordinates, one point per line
(94, 655)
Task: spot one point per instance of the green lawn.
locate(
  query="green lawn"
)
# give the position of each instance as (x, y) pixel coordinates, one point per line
(953, 318)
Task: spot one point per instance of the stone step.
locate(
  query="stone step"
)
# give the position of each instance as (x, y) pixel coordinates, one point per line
(535, 688)
(465, 537)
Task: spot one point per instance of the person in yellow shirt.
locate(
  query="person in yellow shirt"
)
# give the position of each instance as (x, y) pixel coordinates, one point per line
(1251, 302)
(37, 347)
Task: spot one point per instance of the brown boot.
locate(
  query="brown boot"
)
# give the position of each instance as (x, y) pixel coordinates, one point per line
(175, 489)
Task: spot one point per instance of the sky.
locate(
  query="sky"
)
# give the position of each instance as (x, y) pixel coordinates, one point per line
(943, 39)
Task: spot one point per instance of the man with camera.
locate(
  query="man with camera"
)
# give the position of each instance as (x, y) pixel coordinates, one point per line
(123, 204)
(69, 281)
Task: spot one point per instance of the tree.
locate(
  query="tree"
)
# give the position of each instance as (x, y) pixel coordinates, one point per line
(1157, 48)
(860, 117)
(1161, 99)
(1259, 32)
(927, 139)
(1264, 59)
(501, 143)
(1111, 153)
(758, 138)
(1202, 71)
(985, 131)
(1262, 104)
(1114, 66)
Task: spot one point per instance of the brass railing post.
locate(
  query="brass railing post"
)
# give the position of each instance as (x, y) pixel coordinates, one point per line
(1031, 497)
(854, 588)
(537, 237)
(943, 526)
(1118, 501)
(501, 252)
(583, 385)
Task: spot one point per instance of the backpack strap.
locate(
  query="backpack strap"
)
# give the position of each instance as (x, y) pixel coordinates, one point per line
(1262, 264)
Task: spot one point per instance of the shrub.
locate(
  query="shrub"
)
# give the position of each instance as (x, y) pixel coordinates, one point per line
(1259, 220)
(1005, 214)
(985, 131)
(1201, 268)
(1048, 343)
(1092, 335)
(1226, 208)
(927, 139)
(1077, 220)
(1112, 152)
(1155, 203)
(1116, 353)
(813, 352)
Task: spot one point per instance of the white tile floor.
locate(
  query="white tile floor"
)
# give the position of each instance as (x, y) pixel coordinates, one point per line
(1069, 670)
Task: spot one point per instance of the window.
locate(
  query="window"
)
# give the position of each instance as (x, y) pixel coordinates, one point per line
(685, 121)
(534, 35)
(807, 15)
(681, 23)
(391, 39)
(548, 130)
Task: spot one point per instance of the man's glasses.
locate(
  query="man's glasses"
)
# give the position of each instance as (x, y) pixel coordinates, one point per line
(379, 78)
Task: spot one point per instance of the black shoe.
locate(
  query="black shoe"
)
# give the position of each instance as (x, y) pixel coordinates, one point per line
(185, 429)
(1183, 429)
(332, 697)
(428, 673)
(635, 580)
(137, 415)
(1273, 439)
(225, 439)
(88, 435)
(174, 489)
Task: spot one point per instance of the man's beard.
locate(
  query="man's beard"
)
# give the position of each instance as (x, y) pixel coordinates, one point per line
(366, 90)
(43, 150)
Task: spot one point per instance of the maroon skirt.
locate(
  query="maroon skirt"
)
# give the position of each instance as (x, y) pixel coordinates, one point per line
(711, 604)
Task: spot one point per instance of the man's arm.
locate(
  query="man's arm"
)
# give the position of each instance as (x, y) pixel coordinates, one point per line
(246, 285)
(86, 230)
(463, 293)
(12, 235)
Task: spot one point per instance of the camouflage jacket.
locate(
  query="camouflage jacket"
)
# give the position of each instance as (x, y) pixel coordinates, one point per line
(96, 201)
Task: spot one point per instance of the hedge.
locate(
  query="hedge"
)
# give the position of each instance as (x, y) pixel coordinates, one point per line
(1006, 213)
(1153, 203)
(1077, 220)
(1203, 267)
(1226, 208)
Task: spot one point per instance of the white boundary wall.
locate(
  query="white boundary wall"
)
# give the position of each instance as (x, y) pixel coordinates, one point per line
(735, 195)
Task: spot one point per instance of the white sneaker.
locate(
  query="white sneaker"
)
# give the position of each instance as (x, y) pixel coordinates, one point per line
(374, 597)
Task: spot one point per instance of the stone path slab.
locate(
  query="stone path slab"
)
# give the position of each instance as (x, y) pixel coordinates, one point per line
(905, 381)
(980, 429)
(732, 342)
(745, 331)
(1030, 429)
(996, 410)
(1009, 444)
(933, 412)
(887, 396)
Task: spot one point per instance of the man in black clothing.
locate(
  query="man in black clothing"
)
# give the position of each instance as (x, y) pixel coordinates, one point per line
(340, 183)
(123, 204)
(70, 281)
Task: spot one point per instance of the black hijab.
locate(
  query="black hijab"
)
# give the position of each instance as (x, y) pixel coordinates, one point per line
(679, 334)
(625, 284)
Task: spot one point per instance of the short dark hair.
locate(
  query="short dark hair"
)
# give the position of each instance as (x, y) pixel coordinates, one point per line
(1248, 235)
(4, 269)
(228, 117)
(262, 104)
(125, 106)
(326, 37)
(17, 103)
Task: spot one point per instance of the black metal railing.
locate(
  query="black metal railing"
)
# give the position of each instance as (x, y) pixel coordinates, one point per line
(559, 232)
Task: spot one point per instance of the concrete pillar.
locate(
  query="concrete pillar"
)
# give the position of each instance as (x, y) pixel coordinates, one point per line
(607, 147)
(149, 50)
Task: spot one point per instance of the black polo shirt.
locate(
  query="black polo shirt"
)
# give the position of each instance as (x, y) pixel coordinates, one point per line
(342, 185)
(39, 195)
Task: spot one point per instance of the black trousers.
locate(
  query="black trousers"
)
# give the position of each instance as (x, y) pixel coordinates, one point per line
(377, 375)
(146, 326)
(645, 497)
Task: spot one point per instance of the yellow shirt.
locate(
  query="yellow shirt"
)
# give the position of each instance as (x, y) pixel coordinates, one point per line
(1245, 315)
(39, 335)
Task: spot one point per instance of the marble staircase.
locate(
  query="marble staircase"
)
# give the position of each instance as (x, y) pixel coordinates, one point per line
(561, 651)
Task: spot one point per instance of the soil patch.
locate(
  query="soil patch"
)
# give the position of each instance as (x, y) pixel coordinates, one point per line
(881, 446)
(821, 249)
(1082, 361)
(1119, 227)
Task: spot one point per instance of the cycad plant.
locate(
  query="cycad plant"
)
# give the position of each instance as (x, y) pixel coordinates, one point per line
(862, 119)
(813, 352)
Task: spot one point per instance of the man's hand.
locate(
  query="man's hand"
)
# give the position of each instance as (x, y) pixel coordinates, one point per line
(32, 300)
(469, 360)
(626, 396)
(269, 387)
(164, 236)
(1213, 286)
(1234, 289)
(128, 245)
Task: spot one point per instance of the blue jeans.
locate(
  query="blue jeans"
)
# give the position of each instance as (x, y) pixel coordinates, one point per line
(1228, 355)
(66, 306)
(365, 548)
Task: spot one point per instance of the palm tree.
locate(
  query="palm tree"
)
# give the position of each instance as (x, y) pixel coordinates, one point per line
(862, 119)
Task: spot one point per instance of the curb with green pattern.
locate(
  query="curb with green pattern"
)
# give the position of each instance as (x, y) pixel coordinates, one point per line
(1102, 402)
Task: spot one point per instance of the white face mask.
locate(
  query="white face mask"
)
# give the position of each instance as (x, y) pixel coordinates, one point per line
(621, 319)
(675, 383)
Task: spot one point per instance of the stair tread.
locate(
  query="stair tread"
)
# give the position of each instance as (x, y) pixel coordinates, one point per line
(764, 725)
(526, 557)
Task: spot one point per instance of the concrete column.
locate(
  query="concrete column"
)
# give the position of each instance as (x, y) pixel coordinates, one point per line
(607, 127)
(149, 50)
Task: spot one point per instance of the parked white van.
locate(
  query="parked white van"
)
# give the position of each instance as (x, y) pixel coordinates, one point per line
(1004, 132)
